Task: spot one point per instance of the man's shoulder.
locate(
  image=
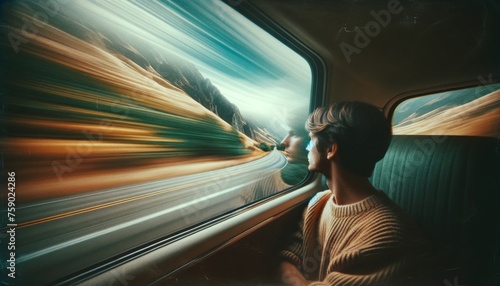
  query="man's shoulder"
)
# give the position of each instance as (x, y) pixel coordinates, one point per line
(394, 218)
(389, 208)
(319, 197)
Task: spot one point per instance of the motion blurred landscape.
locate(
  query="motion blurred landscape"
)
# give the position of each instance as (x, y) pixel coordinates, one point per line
(473, 112)
(85, 110)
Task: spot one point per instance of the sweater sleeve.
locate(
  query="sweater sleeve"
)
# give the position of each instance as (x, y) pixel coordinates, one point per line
(293, 252)
(384, 275)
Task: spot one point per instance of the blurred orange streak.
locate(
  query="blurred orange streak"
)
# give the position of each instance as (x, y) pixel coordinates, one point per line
(70, 127)
(42, 183)
(124, 76)
(52, 147)
(480, 117)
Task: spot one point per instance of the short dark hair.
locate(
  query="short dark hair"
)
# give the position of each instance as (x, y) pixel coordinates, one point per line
(361, 131)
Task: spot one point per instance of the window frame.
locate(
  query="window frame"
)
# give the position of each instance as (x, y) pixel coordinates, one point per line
(395, 101)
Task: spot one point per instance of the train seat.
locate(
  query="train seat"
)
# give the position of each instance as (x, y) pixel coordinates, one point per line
(449, 184)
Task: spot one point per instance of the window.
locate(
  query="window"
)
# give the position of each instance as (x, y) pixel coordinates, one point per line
(472, 111)
(126, 122)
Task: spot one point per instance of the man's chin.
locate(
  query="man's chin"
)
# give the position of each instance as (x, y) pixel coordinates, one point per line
(297, 160)
(289, 157)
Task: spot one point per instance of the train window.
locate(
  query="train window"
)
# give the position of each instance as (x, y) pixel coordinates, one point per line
(128, 122)
(471, 111)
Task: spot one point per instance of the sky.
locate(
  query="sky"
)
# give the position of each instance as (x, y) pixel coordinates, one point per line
(251, 68)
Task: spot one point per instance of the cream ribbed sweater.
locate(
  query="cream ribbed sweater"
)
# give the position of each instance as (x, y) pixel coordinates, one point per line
(366, 243)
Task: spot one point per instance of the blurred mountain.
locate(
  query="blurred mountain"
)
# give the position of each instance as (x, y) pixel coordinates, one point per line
(180, 73)
(185, 76)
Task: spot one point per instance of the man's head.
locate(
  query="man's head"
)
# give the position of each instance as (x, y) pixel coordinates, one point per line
(360, 132)
(296, 141)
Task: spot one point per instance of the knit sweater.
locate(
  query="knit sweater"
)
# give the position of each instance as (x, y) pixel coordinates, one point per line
(365, 243)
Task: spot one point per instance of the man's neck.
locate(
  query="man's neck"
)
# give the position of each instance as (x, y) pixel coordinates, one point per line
(348, 188)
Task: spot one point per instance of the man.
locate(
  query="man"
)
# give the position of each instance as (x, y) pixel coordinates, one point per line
(294, 145)
(351, 234)
(294, 148)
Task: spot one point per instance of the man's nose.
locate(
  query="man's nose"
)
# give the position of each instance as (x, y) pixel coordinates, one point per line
(285, 141)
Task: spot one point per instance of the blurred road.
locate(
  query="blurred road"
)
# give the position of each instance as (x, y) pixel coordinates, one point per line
(57, 237)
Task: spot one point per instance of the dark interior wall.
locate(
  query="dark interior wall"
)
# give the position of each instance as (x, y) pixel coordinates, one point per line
(376, 50)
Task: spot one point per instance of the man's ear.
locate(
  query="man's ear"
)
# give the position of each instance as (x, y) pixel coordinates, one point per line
(332, 151)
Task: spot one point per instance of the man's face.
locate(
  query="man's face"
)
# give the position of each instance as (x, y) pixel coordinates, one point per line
(294, 147)
(317, 156)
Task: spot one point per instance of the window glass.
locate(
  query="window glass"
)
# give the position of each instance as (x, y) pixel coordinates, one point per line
(125, 122)
(472, 111)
